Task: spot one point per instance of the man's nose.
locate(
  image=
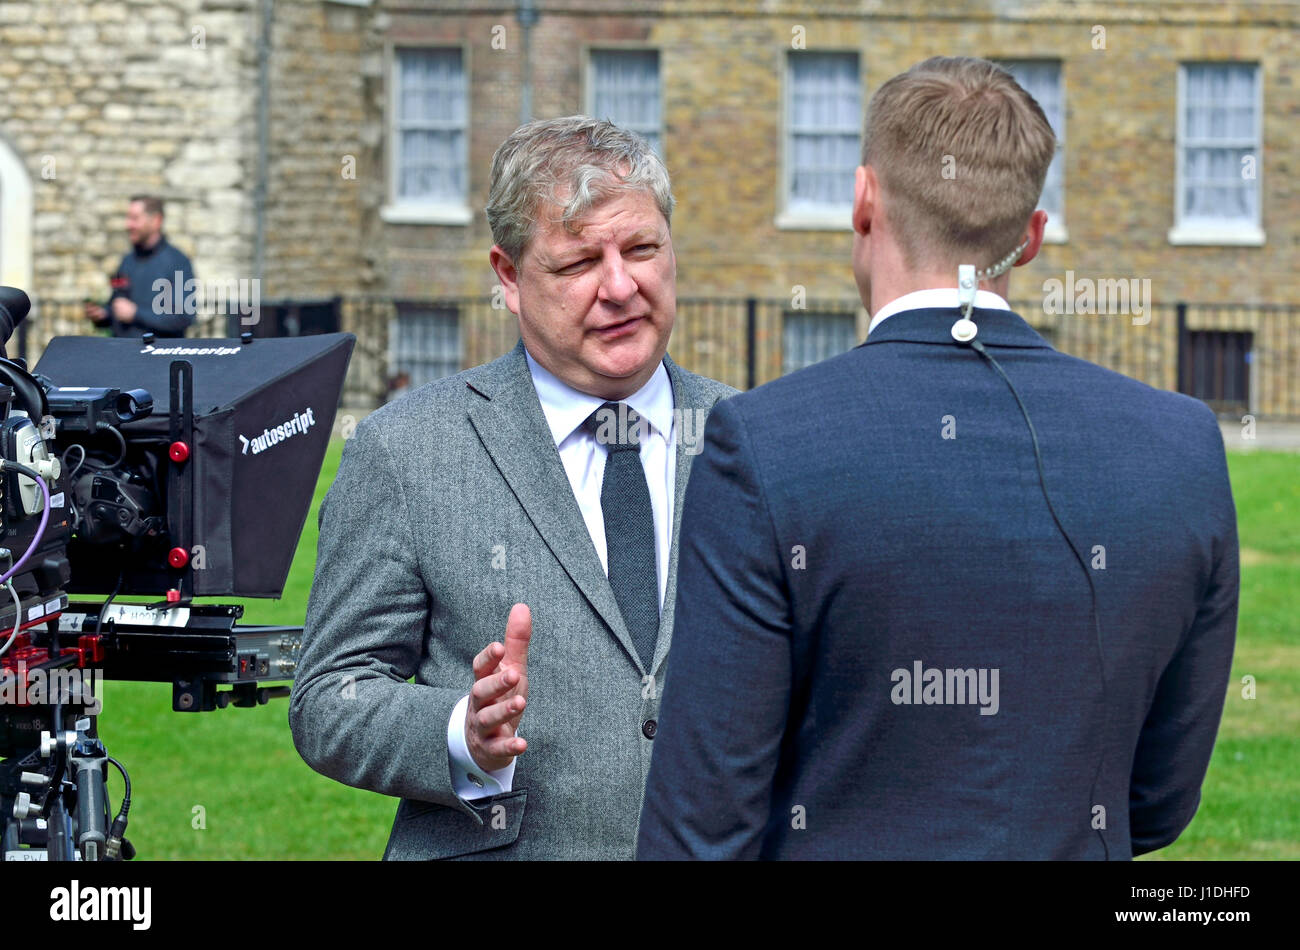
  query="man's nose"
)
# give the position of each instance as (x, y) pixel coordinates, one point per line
(616, 284)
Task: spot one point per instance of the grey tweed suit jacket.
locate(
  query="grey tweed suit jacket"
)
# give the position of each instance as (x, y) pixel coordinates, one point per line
(450, 505)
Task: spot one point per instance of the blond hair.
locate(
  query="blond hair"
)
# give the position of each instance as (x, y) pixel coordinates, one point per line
(962, 151)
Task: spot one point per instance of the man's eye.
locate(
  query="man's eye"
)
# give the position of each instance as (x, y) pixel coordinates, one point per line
(574, 266)
(645, 248)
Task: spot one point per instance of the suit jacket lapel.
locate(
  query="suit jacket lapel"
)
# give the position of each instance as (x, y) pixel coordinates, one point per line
(513, 430)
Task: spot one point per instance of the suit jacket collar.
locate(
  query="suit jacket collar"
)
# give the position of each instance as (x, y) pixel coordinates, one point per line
(996, 328)
(508, 417)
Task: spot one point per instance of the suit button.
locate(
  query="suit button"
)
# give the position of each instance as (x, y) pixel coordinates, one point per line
(649, 728)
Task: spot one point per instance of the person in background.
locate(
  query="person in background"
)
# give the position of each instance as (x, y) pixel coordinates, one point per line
(140, 304)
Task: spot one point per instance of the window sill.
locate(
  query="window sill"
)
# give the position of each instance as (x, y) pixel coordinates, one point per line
(815, 221)
(426, 214)
(1226, 235)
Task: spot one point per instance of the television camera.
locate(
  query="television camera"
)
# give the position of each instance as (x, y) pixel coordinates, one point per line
(172, 469)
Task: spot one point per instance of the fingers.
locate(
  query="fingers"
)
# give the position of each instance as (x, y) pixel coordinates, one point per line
(519, 631)
(483, 735)
(490, 688)
(486, 662)
(498, 714)
(499, 694)
(505, 748)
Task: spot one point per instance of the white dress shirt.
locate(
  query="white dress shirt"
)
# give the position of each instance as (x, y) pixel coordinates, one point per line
(931, 298)
(565, 409)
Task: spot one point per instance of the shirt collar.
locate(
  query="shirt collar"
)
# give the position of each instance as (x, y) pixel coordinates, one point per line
(935, 298)
(566, 408)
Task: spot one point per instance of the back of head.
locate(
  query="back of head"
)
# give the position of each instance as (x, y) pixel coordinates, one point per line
(572, 163)
(961, 152)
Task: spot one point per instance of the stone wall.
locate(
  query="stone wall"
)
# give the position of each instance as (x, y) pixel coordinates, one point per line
(106, 99)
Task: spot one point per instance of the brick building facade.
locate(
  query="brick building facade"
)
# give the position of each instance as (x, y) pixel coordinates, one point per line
(364, 167)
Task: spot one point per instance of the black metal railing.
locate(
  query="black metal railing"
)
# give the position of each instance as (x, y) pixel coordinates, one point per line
(1238, 358)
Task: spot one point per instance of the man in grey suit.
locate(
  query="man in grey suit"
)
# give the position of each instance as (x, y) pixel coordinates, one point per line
(540, 494)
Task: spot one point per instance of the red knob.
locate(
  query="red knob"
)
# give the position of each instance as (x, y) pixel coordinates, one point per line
(173, 596)
(178, 557)
(179, 451)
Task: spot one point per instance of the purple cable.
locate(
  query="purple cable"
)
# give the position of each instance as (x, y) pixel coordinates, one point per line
(45, 518)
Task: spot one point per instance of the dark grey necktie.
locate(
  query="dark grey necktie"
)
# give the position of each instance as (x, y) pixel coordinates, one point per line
(629, 523)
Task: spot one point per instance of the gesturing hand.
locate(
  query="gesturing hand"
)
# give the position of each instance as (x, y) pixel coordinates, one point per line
(499, 694)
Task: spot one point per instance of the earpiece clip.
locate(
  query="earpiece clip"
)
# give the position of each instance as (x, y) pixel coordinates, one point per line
(964, 330)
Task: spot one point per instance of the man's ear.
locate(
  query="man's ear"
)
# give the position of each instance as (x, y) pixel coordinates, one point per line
(866, 193)
(1037, 223)
(508, 274)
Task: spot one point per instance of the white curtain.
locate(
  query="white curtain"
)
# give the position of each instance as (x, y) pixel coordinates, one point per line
(431, 123)
(625, 90)
(823, 122)
(1220, 128)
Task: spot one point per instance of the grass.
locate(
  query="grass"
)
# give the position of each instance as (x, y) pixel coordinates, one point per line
(230, 785)
(1248, 805)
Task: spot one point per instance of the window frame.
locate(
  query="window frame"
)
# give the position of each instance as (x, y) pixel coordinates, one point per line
(405, 211)
(589, 83)
(422, 308)
(802, 220)
(791, 316)
(1224, 233)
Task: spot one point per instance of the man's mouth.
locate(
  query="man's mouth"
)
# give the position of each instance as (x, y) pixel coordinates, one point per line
(615, 330)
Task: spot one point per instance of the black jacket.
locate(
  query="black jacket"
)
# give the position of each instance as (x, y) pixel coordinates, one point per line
(161, 308)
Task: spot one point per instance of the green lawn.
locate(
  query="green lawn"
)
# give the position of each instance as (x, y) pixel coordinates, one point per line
(259, 800)
(1248, 804)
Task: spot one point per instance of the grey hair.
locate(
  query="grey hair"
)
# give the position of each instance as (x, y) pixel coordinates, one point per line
(574, 163)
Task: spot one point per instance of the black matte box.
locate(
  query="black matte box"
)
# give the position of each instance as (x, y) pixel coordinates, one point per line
(252, 490)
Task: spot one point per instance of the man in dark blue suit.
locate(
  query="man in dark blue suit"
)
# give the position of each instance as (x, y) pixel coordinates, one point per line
(950, 594)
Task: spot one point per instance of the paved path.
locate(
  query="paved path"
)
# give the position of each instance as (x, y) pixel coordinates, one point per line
(1274, 436)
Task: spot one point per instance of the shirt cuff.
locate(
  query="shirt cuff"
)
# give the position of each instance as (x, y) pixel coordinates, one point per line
(469, 781)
